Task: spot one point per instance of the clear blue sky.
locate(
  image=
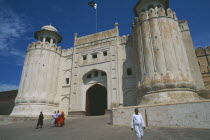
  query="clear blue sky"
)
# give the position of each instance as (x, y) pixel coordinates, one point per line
(20, 18)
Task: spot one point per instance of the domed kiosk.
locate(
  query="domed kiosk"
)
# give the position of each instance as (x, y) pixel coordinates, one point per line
(48, 34)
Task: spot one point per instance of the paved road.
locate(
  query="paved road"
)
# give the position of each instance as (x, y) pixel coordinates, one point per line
(94, 128)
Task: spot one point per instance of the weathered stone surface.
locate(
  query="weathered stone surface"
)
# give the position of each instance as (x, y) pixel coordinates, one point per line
(186, 115)
(204, 93)
(192, 59)
(168, 97)
(95, 37)
(56, 79)
(150, 66)
(203, 61)
(162, 56)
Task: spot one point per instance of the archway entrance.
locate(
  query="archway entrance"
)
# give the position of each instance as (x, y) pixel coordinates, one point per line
(96, 100)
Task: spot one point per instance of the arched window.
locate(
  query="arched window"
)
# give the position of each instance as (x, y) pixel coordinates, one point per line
(103, 73)
(41, 39)
(48, 39)
(129, 71)
(95, 73)
(89, 75)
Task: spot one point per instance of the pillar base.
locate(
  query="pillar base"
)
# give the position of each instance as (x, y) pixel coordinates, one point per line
(169, 97)
(33, 110)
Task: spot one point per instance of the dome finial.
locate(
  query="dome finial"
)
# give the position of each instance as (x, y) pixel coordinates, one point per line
(116, 24)
(49, 28)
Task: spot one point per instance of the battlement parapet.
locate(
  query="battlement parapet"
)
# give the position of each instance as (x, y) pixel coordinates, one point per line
(202, 51)
(135, 22)
(67, 52)
(125, 39)
(203, 57)
(155, 13)
(46, 45)
(95, 37)
(183, 25)
(207, 50)
(183, 22)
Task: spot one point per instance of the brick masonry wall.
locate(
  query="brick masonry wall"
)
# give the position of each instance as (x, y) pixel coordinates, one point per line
(203, 56)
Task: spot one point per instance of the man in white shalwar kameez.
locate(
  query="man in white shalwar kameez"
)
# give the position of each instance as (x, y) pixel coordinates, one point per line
(137, 124)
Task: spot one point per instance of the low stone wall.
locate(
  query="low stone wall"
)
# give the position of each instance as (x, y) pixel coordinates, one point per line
(5, 119)
(185, 115)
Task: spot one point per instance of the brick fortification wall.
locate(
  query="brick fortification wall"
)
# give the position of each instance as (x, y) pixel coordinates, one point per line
(203, 56)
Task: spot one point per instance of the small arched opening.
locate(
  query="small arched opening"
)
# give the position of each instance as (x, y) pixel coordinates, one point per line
(150, 6)
(54, 41)
(96, 100)
(48, 39)
(41, 39)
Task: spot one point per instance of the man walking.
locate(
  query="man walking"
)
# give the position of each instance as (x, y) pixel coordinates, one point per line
(40, 120)
(137, 124)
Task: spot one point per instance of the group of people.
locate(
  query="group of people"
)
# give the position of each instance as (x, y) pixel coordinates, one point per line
(58, 119)
(137, 122)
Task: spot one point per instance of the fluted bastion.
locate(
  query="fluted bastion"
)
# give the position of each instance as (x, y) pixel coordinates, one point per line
(38, 86)
(164, 68)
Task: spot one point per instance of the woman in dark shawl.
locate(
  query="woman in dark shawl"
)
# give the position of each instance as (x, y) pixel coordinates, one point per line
(40, 120)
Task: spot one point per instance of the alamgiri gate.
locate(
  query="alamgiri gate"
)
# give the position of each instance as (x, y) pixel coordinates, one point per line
(154, 68)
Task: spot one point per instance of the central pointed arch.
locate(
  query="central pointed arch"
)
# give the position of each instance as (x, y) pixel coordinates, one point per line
(96, 100)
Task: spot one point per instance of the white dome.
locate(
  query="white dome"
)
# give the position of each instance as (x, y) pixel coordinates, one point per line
(49, 28)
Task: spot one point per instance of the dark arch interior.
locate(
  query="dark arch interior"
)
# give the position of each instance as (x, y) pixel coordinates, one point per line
(54, 41)
(41, 38)
(48, 39)
(96, 100)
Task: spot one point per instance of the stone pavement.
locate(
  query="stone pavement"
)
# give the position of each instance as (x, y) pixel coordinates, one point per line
(94, 128)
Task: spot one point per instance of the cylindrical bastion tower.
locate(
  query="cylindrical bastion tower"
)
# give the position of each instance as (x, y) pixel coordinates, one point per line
(38, 86)
(164, 69)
